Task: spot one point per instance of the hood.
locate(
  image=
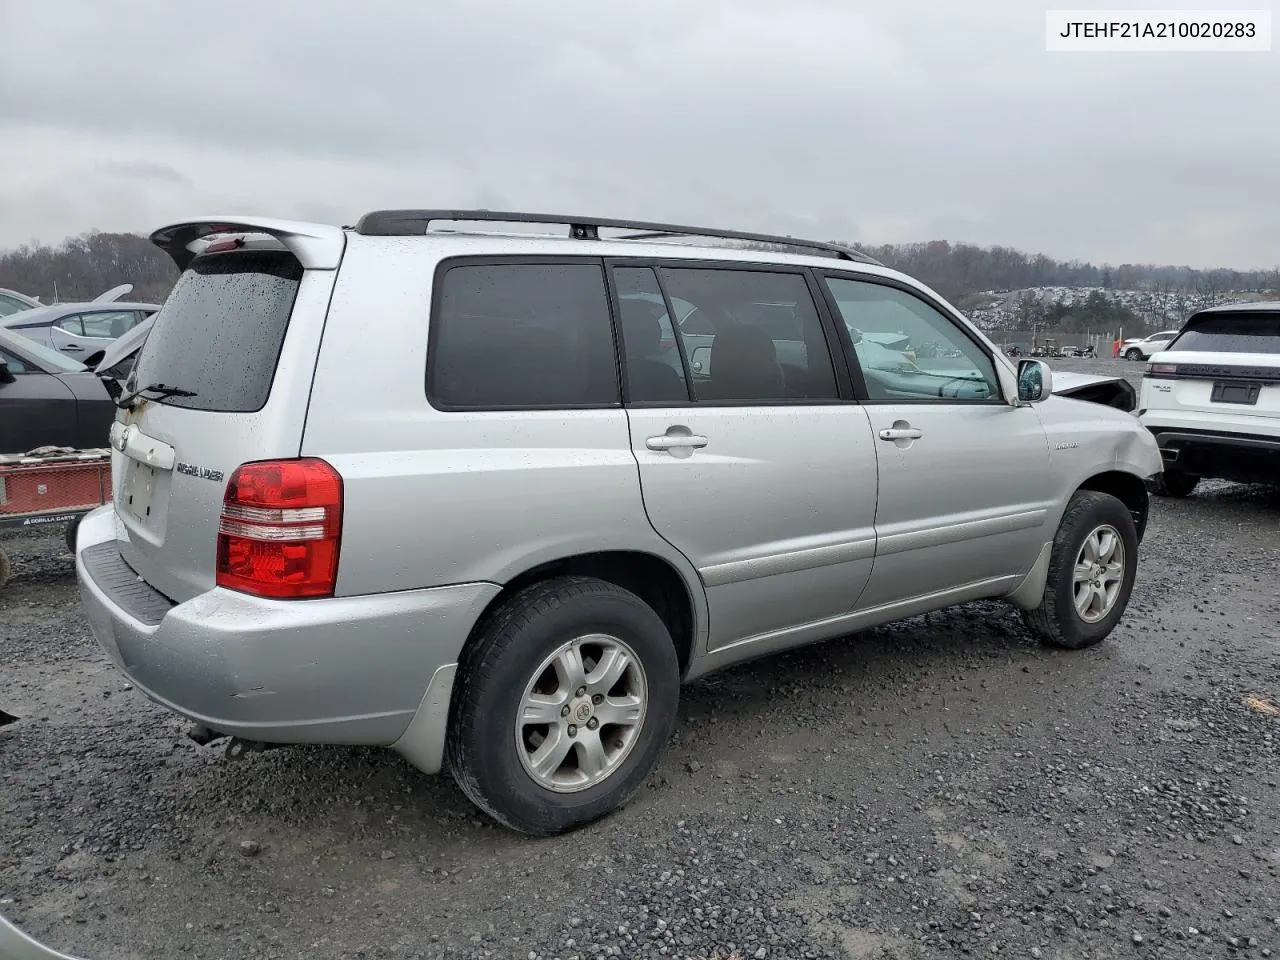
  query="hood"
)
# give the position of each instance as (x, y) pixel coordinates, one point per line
(1109, 391)
(122, 347)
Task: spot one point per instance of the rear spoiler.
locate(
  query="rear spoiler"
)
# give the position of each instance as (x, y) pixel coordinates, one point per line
(317, 246)
(114, 294)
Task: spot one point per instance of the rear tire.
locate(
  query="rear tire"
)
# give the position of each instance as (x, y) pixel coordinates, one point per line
(601, 736)
(1133, 353)
(1091, 573)
(1175, 483)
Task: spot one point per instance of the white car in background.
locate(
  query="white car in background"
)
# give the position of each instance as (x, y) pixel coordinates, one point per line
(81, 330)
(1212, 399)
(1143, 347)
(11, 301)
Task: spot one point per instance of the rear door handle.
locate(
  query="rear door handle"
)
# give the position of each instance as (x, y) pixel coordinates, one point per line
(676, 441)
(73, 348)
(901, 433)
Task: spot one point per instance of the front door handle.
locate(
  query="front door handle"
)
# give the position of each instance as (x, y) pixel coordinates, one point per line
(676, 441)
(901, 433)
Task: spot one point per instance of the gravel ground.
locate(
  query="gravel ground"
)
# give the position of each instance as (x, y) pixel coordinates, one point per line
(941, 787)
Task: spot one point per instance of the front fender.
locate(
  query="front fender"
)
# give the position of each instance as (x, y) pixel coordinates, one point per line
(1088, 440)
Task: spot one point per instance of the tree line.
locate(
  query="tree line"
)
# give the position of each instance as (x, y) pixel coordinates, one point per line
(959, 269)
(84, 266)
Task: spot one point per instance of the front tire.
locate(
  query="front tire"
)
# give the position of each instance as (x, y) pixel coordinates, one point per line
(1175, 483)
(1091, 573)
(1133, 353)
(565, 701)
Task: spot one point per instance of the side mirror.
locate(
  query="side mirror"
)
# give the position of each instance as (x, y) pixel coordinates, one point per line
(1035, 381)
(6, 375)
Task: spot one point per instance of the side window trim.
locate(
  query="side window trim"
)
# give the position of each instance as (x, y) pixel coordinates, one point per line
(851, 356)
(844, 388)
(479, 260)
(90, 315)
(848, 378)
(677, 333)
(613, 264)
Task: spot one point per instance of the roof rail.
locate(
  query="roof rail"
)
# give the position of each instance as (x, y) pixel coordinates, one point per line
(410, 223)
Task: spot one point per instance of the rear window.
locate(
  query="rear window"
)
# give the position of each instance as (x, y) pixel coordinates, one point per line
(219, 334)
(1232, 333)
(522, 336)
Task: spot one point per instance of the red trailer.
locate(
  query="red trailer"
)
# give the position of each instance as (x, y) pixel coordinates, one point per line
(51, 486)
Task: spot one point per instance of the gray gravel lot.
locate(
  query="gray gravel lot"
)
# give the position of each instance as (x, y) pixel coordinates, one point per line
(941, 787)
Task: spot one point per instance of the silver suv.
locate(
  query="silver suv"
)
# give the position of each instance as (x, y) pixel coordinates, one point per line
(471, 494)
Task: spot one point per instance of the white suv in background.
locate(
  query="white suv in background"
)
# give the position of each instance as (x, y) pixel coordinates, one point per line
(1212, 399)
(1143, 347)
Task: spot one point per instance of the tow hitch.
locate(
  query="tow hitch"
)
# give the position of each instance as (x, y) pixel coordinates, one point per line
(237, 749)
(202, 735)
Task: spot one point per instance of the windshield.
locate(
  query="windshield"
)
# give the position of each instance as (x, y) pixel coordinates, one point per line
(1232, 333)
(10, 305)
(51, 360)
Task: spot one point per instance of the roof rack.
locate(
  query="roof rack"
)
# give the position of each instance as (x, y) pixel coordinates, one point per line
(411, 223)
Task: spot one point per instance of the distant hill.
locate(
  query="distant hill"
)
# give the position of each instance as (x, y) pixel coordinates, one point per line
(86, 265)
(960, 270)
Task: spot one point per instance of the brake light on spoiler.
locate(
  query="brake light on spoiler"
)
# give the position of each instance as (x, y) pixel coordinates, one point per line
(280, 529)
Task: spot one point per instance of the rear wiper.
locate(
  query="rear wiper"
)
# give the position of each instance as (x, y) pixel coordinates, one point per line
(156, 391)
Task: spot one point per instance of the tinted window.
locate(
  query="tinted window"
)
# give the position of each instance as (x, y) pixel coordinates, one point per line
(220, 332)
(1232, 333)
(907, 349)
(765, 341)
(653, 367)
(522, 335)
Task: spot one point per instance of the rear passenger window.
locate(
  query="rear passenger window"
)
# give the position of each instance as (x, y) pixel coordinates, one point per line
(522, 335)
(108, 325)
(764, 342)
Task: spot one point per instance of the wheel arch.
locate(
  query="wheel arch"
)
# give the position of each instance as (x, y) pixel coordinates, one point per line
(654, 579)
(1126, 487)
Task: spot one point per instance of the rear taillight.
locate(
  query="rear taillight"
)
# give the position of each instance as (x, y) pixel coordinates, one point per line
(1161, 369)
(279, 532)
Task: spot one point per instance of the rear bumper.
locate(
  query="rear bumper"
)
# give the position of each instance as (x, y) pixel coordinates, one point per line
(1244, 458)
(346, 670)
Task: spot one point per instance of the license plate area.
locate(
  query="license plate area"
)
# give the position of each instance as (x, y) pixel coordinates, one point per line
(139, 489)
(1241, 393)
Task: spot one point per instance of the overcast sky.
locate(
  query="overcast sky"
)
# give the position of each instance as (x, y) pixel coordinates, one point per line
(885, 121)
